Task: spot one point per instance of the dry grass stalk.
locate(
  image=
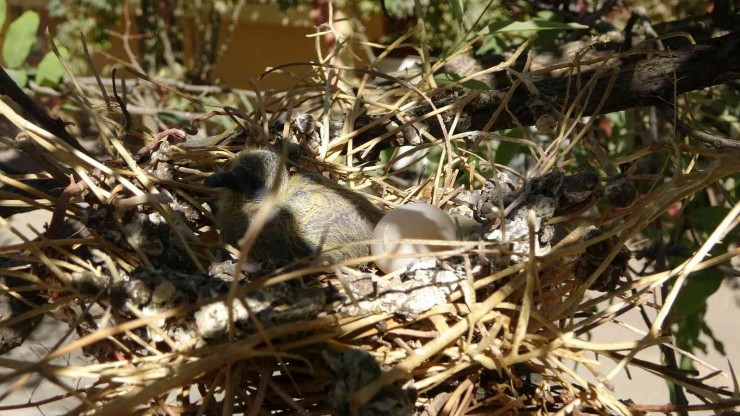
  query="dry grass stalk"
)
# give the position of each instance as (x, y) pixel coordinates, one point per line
(519, 327)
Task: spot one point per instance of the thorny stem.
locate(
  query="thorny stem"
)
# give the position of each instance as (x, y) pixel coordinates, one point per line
(671, 408)
(73, 189)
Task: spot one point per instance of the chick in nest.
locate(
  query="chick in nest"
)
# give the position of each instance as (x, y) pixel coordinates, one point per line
(311, 215)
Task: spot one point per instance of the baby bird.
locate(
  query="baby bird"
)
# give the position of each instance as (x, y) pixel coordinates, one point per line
(312, 213)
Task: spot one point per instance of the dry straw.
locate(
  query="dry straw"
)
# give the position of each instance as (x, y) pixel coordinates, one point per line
(508, 344)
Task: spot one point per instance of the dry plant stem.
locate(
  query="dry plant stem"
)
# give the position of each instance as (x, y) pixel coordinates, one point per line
(532, 275)
(54, 48)
(722, 229)
(651, 282)
(210, 359)
(43, 244)
(37, 403)
(585, 94)
(72, 190)
(259, 396)
(404, 368)
(87, 82)
(126, 36)
(399, 81)
(172, 88)
(286, 397)
(143, 154)
(500, 67)
(649, 210)
(56, 126)
(502, 106)
(164, 209)
(37, 310)
(677, 377)
(52, 264)
(648, 82)
(45, 140)
(672, 408)
(121, 100)
(456, 399)
(91, 67)
(710, 139)
(25, 188)
(519, 322)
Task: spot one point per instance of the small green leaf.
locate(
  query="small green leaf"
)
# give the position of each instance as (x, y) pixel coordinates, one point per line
(549, 15)
(718, 345)
(706, 219)
(20, 38)
(3, 13)
(692, 299)
(171, 118)
(506, 151)
(458, 10)
(492, 44)
(50, 70)
(446, 78)
(532, 25)
(18, 76)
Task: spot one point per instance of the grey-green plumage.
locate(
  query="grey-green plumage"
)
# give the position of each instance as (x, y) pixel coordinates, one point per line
(311, 212)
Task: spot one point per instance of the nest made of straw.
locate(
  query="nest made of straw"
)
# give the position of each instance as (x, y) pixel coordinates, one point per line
(176, 322)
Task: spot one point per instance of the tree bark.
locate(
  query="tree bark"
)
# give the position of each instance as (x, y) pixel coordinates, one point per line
(653, 80)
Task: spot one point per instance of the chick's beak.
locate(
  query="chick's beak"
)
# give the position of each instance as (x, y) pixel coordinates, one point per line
(221, 180)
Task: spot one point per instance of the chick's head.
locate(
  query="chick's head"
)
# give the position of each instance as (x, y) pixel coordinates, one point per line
(251, 176)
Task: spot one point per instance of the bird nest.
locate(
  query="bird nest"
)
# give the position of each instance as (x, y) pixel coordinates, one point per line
(175, 321)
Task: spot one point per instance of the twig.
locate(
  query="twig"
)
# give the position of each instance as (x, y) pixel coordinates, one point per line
(54, 126)
(121, 100)
(671, 408)
(702, 136)
(91, 67)
(60, 208)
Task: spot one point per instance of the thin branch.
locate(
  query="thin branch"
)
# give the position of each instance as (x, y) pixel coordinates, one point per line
(652, 81)
(702, 136)
(54, 126)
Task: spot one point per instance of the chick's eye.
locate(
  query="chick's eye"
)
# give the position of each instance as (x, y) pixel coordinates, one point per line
(251, 185)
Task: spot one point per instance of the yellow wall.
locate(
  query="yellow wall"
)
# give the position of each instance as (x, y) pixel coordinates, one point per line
(256, 46)
(264, 37)
(267, 38)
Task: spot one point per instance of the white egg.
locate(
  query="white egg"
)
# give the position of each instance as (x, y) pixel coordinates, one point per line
(410, 221)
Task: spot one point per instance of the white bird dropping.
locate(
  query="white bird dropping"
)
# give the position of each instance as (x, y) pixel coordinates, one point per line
(411, 221)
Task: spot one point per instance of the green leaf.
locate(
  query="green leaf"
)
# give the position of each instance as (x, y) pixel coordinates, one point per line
(728, 118)
(506, 151)
(531, 25)
(718, 345)
(689, 312)
(692, 299)
(171, 118)
(706, 219)
(447, 78)
(549, 15)
(458, 10)
(3, 13)
(18, 76)
(688, 333)
(50, 70)
(492, 44)
(20, 39)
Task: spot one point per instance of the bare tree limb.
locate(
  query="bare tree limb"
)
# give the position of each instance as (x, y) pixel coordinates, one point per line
(702, 136)
(54, 126)
(652, 81)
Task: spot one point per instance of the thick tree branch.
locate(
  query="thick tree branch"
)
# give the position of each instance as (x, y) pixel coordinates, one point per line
(652, 81)
(52, 125)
